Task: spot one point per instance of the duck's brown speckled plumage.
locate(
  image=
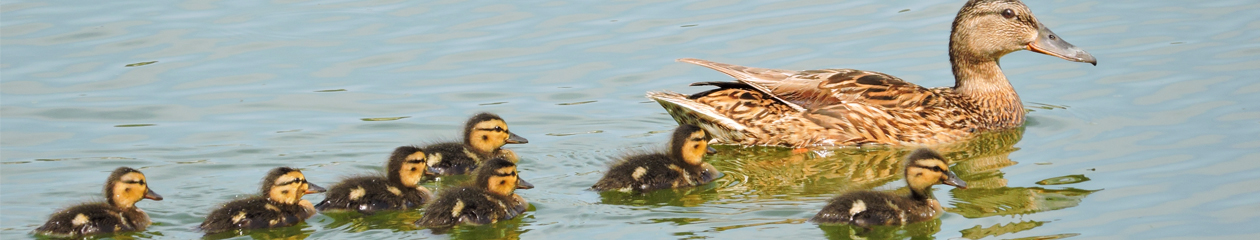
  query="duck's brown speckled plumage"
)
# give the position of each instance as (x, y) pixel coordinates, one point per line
(279, 205)
(837, 107)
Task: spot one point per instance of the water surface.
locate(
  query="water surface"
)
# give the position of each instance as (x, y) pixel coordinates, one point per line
(1157, 141)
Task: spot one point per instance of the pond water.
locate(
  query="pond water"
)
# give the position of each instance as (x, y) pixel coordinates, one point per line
(1159, 140)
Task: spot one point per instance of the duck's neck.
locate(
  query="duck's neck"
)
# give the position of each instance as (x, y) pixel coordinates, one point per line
(981, 81)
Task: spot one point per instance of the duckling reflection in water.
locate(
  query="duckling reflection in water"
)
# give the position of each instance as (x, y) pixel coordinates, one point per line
(489, 199)
(280, 205)
(124, 187)
(924, 168)
(484, 137)
(682, 166)
(398, 190)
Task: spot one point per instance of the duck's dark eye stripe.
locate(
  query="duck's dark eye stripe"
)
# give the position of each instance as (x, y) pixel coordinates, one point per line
(295, 181)
(415, 161)
(495, 129)
(697, 139)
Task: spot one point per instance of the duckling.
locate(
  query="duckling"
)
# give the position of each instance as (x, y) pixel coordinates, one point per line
(398, 191)
(279, 205)
(124, 187)
(489, 199)
(484, 136)
(846, 107)
(924, 168)
(682, 166)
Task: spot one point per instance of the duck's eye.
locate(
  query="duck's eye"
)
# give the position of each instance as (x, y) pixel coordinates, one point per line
(498, 128)
(413, 169)
(284, 192)
(1008, 13)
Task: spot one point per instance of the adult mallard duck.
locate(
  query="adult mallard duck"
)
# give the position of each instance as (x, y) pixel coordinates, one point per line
(837, 107)
(118, 213)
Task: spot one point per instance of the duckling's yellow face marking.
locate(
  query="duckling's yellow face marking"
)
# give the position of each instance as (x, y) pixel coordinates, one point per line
(289, 188)
(504, 181)
(130, 188)
(486, 136)
(923, 173)
(413, 169)
(696, 145)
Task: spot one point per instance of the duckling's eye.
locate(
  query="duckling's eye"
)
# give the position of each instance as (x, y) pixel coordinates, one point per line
(503, 182)
(498, 129)
(937, 169)
(284, 192)
(484, 137)
(1008, 13)
(413, 169)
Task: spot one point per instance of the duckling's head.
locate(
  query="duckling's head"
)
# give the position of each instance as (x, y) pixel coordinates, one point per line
(985, 30)
(126, 186)
(500, 177)
(925, 168)
(690, 143)
(287, 185)
(486, 132)
(407, 166)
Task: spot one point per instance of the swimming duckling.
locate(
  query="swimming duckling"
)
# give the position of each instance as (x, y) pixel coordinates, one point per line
(484, 136)
(683, 166)
(489, 199)
(924, 168)
(399, 190)
(280, 205)
(119, 213)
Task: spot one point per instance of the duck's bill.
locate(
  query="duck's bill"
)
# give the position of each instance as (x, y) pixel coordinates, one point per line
(522, 184)
(953, 180)
(1051, 44)
(430, 171)
(710, 150)
(513, 138)
(312, 188)
(149, 194)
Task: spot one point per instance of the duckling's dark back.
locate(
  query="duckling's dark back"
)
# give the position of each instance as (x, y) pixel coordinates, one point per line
(468, 204)
(253, 213)
(451, 158)
(371, 193)
(93, 218)
(868, 208)
(645, 172)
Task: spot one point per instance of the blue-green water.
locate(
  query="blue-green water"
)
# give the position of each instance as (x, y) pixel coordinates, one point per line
(1166, 128)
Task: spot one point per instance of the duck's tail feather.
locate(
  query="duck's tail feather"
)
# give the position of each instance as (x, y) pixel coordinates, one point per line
(762, 79)
(687, 111)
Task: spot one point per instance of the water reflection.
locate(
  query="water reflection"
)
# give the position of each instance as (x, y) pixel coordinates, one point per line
(685, 197)
(919, 230)
(296, 232)
(357, 222)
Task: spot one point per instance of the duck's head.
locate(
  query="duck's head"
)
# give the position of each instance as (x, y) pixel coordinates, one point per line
(486, 132)
(985, 30)
(407, 166)
(690, 143)
(500, 177)
(126, 186)
(287, 185)
(925, 168)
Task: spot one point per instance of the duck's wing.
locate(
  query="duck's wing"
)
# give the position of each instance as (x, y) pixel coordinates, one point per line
(814, 89)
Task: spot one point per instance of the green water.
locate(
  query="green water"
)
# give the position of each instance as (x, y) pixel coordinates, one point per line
(1159, 140)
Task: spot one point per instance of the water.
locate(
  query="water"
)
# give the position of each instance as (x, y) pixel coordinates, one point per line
(1158, 141)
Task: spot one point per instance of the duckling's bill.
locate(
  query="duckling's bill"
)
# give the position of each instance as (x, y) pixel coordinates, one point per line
(953, 180)
(149, 194)
(516, 139)
(522, 184)
(312, 188)
(1051, 44)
